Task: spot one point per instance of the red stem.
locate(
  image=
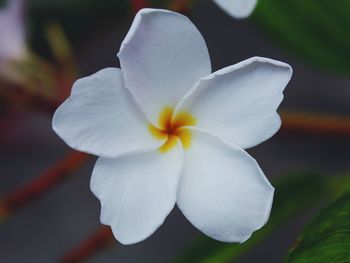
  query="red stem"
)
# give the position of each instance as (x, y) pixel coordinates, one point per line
(313, 123)
(17, 96)
(90, 246)
(181, 6)
(136, 5)
(42, 184)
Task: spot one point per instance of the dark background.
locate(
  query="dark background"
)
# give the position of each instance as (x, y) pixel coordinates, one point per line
(46, 229)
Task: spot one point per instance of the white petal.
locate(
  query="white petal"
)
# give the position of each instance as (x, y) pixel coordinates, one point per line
(100, 117)
(223, 192)
(137, 192)
(162, 57)
(12, 30)
(237, 8)
(239, 103)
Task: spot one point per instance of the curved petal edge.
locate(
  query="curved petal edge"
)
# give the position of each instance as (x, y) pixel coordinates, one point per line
(223, 191)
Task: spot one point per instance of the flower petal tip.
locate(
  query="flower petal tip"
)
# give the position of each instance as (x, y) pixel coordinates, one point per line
(270, 61)
(139, 17)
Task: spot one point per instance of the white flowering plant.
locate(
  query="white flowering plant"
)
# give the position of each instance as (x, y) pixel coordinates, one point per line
(170, 131)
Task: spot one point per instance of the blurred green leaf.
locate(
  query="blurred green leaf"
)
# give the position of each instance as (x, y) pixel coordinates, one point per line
(327, 238)
(294, 194)
(317, 31)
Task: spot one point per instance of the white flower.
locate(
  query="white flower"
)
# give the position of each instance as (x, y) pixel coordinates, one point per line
(12, 30)
(168, 131)
(237, 8)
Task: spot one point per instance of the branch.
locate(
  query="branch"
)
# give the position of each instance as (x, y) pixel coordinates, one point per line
(99, 240)
(315, 123)
(42, 184)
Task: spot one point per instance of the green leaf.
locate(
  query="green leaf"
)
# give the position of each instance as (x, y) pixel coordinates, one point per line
(327, 238)
(317, 31)
(294, 194)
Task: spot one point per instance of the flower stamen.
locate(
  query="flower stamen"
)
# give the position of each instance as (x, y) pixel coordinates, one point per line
(172, 127)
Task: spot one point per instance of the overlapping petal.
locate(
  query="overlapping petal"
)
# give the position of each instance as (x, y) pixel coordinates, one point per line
(237, 8)
(162, 57)
(223, 192)
(238, 103)
(100, 117)
(137, 192)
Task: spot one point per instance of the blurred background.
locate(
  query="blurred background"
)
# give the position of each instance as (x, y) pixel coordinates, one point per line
(47, 212)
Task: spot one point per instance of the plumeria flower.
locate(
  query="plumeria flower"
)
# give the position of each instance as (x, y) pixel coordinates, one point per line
(168, 131)
(237, 8)
(12, 29)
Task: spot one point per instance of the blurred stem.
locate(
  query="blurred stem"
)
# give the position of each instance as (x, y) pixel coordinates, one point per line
(182, 6)
(64, 55)
(19, 97)
(41, 184)
(38, 75)
(315, 123)
(136, 5)
(99, 240)
(61, 48)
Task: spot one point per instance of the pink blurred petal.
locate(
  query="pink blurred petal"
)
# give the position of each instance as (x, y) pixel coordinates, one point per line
(12, 31)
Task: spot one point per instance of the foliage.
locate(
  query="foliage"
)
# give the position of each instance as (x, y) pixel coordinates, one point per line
(327, 238)
(318, 31)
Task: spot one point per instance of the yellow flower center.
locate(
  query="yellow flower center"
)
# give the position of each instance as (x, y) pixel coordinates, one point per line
(170, 127)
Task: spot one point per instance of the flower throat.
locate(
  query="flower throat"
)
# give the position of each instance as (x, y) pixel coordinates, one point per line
(171, 127)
